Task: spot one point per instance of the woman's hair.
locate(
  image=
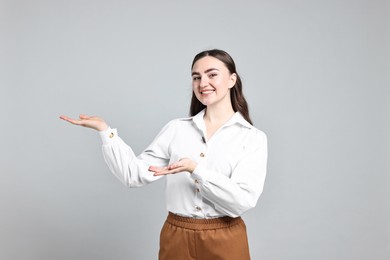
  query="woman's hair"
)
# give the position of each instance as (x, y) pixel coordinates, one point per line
(236, 96)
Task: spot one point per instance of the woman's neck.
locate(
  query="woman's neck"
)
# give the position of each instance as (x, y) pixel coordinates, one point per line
(218, 115)
(215, 117)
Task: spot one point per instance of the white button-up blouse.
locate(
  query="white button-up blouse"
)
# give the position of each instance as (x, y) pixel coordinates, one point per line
(230, 172)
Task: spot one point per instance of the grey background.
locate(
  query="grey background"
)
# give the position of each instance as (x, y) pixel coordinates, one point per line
(316, 75)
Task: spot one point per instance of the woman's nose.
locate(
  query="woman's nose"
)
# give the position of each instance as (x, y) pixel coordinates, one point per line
(204, 81)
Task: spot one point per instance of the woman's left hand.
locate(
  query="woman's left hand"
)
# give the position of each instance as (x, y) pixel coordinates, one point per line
(183, 165)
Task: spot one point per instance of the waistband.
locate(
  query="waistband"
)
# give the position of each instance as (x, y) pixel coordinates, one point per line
(202, 224)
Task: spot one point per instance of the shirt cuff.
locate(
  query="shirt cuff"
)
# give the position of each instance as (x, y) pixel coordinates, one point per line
(108, 135)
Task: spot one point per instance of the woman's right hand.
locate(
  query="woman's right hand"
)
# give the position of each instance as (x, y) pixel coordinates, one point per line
(93, 122)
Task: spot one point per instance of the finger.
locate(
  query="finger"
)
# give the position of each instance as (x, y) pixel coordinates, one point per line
(174, 166)
(68, 119)
(152, 169)
(82, 116)
(63, 117)
(166, 172)
(161, 173)
(157, 169)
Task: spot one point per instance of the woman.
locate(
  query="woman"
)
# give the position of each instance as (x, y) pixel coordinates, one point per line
(214, 162)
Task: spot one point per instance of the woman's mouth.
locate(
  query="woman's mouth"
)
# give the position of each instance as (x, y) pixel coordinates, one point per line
(207, 91)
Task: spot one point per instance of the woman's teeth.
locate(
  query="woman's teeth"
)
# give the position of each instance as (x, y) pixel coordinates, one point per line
(206, 91)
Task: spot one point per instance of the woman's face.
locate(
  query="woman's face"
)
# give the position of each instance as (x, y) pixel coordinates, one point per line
(212, 81)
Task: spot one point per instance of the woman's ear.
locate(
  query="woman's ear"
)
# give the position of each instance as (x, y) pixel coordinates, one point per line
(233, 79)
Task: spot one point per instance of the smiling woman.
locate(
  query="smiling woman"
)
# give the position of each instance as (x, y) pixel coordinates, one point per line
(237, 98)
(214, 163)
(212, 82)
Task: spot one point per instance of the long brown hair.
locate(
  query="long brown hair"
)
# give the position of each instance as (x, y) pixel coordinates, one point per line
(236, 96)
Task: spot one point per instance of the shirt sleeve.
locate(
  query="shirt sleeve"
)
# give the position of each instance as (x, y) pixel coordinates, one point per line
(235, 195)
(130, 169)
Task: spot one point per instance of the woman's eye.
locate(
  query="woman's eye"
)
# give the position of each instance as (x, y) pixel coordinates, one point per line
(195, 78)
(212, 75)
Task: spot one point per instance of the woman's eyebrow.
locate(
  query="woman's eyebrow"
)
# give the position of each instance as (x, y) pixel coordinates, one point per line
(206, 71)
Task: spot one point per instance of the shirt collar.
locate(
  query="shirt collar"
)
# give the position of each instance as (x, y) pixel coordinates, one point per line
(237, 118)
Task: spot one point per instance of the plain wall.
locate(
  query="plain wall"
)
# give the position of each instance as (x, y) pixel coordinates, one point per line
(316, 76)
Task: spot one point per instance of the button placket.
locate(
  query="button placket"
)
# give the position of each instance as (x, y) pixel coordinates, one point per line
(198, 194)
(198, 202)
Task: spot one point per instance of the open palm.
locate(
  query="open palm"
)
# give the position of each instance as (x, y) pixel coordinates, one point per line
(93, 122)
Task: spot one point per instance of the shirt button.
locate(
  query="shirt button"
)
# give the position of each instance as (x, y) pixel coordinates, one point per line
(197, 190)
(196, 181)
(111, 135)
(202, 155)
(197, 208)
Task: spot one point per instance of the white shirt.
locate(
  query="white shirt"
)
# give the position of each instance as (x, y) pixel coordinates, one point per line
(230, 172)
